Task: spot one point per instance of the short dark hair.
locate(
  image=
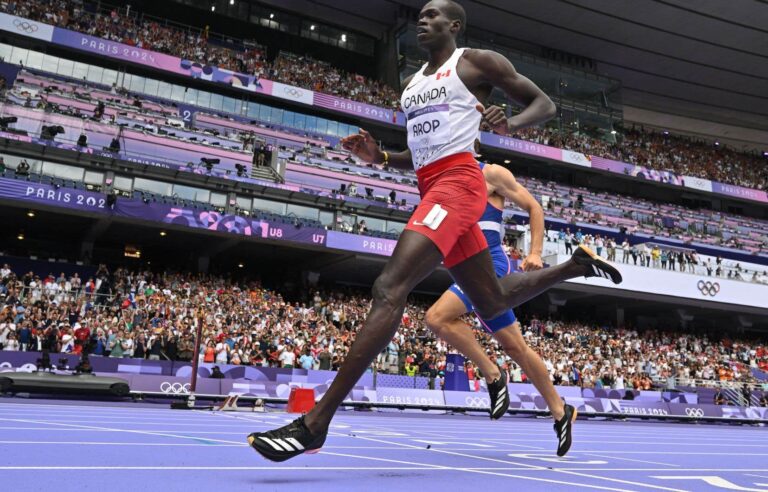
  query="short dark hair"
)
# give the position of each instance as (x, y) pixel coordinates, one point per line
(455, 11)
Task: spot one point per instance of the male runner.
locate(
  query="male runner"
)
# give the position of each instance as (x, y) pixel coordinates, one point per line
(442, 102)
(444, 317)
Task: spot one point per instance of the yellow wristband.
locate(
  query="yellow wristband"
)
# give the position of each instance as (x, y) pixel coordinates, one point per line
(386, 157)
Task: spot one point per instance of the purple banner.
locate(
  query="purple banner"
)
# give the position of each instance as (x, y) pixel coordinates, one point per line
(170, 385)
(160, 61)
(455, 373)
(630, 407)
(211, 220)
(212, 73)
(410, 396)
(10, 72)
(217, 221)
(740, 192)
(187, 114)
(360, 244)
(101, 46)
(471, 399)
(525, 388)
(707, 410)
(174, 377)
(636, 171)
(357, 108)
(48, 195)
(521, 146)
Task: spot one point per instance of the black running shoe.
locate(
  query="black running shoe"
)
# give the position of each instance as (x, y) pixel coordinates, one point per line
(596, 266)
(563, 430)
(499, 394)
(287, 441)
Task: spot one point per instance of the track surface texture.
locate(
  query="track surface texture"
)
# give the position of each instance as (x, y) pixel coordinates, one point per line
(72, 446)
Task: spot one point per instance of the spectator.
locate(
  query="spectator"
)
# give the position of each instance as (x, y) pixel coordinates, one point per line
(324, 357)
(719, 398)
(287, 357)
(307, 361)
(23, 168)
(11, 343)
(222, 351)
(209, 353)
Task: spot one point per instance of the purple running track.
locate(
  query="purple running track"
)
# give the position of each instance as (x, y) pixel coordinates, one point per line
(69, 446)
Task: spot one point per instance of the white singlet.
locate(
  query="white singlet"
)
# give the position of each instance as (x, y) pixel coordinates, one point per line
(441, 112)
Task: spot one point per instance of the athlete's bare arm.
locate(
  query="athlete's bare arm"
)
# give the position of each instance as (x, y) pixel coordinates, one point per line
(502, 182)
(365, 147)
(485, 70)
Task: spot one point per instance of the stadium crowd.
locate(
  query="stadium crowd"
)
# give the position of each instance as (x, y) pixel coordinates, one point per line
(653, 255)
(199, 45)
(656, 150)
(141, 314)
(663, 151)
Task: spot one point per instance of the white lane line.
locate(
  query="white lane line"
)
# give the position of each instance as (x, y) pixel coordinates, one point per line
(130, 431)
(220, 468)
(321, 468)
(631, 459)
(687, 453)
(101, 443)
(370, 448)
(472, 470)
(110, 421)
(532, 467)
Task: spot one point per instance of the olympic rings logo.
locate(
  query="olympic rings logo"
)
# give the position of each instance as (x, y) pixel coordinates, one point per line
(292, 91)
(25, 26)
(694, 412)
(477, 402)
(708, 288)
(174, 388)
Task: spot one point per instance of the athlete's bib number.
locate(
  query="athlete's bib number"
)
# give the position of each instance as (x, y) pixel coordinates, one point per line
(428, 129)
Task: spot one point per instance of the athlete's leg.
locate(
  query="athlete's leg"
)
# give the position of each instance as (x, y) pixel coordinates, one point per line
(414, 257)
(444, 319)
(491, 296)
(514, 345)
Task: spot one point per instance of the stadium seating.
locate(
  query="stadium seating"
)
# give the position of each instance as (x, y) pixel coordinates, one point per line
(574, 353)
(658, 150)
(314, 167)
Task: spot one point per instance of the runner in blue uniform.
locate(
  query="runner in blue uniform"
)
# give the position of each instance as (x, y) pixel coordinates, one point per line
(444, 317)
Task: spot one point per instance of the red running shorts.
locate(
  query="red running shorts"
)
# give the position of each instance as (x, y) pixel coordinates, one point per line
(453, 198)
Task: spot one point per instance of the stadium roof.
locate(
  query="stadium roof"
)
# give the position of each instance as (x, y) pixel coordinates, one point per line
(706, 59)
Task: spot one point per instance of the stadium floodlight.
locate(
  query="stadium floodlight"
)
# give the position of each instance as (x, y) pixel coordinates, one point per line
(343, 38)
(213, 8)
(312, 27)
